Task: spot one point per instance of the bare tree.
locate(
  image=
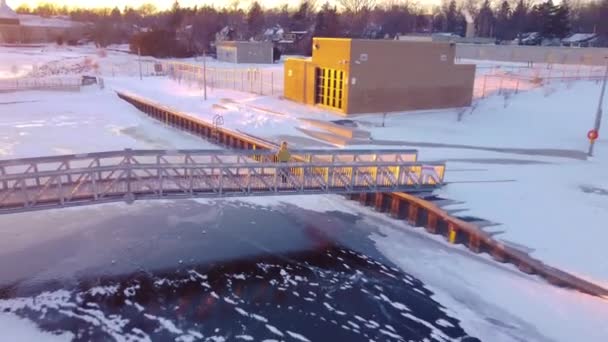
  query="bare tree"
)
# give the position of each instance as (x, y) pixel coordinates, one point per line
(357, 6)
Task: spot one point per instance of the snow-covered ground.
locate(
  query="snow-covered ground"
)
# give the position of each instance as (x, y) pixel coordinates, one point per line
(554, 205)
(37, 123)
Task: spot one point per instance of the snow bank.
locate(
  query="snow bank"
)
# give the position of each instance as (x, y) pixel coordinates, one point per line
(19, 329)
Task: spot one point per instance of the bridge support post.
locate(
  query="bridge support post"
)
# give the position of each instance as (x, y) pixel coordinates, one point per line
(452, 233)
(525, 267)
(474, 244)
(379, 201)
(499, 255)
(431, 223)
(395, 207)
(363, 198)
(412, 214)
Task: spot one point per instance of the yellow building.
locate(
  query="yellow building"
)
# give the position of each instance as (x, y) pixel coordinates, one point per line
(367, 76)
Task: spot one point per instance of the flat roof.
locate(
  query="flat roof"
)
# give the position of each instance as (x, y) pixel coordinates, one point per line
(240, 42)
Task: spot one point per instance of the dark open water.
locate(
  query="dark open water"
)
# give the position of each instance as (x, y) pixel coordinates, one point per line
(225, 271)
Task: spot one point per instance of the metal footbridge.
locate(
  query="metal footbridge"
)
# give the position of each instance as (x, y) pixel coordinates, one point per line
(70, 180)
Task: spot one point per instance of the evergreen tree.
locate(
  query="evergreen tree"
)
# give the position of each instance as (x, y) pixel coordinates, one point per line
(176, 16)
(601, 26)
(116, 16)
(503, 22)
(396, 19)
(451, 17)
(255, 19)
(541, 18)
(485, 20)
(302, 18)
(560, 21)
(518, 19)
(326, 23)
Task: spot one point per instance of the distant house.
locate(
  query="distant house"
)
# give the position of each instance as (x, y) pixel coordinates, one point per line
(580, 40)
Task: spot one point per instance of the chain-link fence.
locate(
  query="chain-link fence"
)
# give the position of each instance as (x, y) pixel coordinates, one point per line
(250, 80)
(512, 80)
(147, 67)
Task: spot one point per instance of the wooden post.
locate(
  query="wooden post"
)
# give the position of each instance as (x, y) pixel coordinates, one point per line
(363, 198)
(431, 223)
(379, 201)
(395, 207)
(474, 244)
(498, 255)
(525, 267)
(412, 214)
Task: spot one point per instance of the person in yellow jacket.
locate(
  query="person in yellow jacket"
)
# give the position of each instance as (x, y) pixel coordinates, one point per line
(283, 156)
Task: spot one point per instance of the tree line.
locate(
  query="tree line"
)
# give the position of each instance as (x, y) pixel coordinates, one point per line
(186, 31)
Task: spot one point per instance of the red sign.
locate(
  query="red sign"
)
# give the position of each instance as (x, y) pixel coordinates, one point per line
(592, 135)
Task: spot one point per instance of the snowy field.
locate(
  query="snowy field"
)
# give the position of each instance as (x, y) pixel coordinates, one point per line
(554, 205)
(50, 123)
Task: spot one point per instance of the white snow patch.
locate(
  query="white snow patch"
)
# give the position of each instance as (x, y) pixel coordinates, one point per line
(274, 330)
(297, 336)
(19, 329)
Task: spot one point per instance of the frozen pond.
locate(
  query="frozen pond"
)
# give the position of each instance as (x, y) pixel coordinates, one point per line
(212, 271)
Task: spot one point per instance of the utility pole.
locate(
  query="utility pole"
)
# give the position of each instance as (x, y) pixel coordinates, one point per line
(205, 75)
(139, 58)
(598, 115)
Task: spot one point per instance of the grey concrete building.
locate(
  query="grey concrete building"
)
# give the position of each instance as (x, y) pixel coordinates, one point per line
(245, 52)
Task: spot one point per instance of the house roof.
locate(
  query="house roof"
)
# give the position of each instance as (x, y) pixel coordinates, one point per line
(579, 37)
(35, 20)
(6, 12)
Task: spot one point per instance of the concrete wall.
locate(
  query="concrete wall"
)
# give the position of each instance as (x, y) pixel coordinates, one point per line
(536, 54)
(388, 76)
(245, 52)
(255, 52)
(226, 53)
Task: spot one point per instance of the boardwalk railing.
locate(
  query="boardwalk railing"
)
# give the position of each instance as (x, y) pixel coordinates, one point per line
(61, 181)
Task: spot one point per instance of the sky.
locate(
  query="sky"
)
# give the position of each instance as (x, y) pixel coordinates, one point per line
(163, 4)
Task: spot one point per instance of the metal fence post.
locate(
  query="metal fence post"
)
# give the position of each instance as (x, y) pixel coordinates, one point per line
(598, 115)
(272, 83)
(129, 197)
(205, 75)
(500, 90)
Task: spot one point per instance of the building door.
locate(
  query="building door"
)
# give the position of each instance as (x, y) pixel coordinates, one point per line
(329, 87)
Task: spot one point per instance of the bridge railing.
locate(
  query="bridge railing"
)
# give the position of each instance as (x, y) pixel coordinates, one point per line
(34, 183)
(227, 157)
